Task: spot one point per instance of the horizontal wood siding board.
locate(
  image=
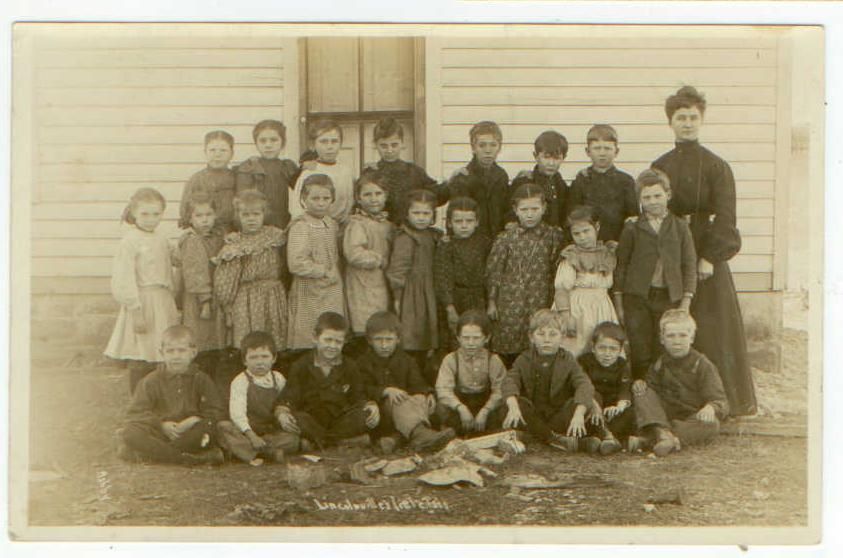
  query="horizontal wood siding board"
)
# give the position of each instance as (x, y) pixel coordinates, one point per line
(597, 96)
(95, 192)
(165, 58)
(620, 38)
(215, 117)
(63, 228)
(617, 115)
(620, 76)
(160, 97)
(114, 40)
(115, 153)
(753, 282)
(163, 77)
(83, 285)
(175, 134)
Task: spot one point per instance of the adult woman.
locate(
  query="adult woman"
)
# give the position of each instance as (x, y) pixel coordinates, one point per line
(704, 192)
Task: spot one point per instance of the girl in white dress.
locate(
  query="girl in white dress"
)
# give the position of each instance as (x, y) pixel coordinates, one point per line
(582, 280)
(142, 282)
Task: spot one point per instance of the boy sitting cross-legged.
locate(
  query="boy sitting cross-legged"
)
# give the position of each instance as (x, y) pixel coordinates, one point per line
(391, 377)
(548, 393)
(683, 391)
(254, 431)
(175, 409)
(324, 401)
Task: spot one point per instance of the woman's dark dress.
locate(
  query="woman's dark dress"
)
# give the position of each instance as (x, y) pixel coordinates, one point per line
(704, 189)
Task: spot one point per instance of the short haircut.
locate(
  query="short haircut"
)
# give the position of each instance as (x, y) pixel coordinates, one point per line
(257, 340)
(583, 214)
(486, 127)
(527, 191)
(677, 316)
(321, 127)
(270, 125)
(317, 180)
(601, 132)
(420, 196)
(685, 97)
(551, 143)
(142, 195)
(178, 333)
(249, 198)
(545, 318)
(609, 330)
(370, 177)
(462, 203)
(330, 320)
(651, 177)
(194, 200)
(474, 317)
(220, 135)
(383, 321)
(386, 128)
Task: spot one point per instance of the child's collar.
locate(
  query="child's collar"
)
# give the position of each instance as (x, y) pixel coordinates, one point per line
(320, 362)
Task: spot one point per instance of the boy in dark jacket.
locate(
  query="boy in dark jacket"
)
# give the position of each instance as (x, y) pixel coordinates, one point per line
(603, 186)
(391, 378)
(547, 392)
(483, 180)
(551, 148)
(175, 409)
(656, 270)
(682, 401)
(324, 400)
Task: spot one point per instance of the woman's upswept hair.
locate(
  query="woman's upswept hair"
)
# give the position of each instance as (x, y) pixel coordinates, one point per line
(685, 97)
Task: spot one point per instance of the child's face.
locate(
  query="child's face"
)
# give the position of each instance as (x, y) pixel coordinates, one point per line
(327, 146)
(584, 234)
(686, 123)
(259, 361)
(548, 164)
(472, 338)
(269, 143)
(147, 215)
(529, 212)
(420, 215)
(251, 218)
(218, 154)
(486, 148)
(318, 201)
(390, 148)
(384, 343)
(177, 355)
(677, 338)
(654, 200)
(371, 198)
(602, 153)
(607, 351)
(463, 223)
(547, 340)
(329, 343)
(202, 219)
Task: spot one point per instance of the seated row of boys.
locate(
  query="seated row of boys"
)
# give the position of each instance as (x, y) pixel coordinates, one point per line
(590, 404)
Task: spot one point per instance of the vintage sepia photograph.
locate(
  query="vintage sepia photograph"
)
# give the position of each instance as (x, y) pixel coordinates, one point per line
(417, 283)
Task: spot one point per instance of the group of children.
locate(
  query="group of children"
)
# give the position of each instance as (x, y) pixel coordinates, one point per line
(384, 326)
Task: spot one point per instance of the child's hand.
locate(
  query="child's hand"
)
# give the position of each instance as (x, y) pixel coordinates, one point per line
(205, 313)
(288, 422)
(619, 309)
(257, 442)
(395, 395)
(639, 387)
(706, 414)
(373, 414)
(370, 167)
(492, 310)
(462, 171)
(170, 430)
(187, 424)
(513, 418)
(139, 321)
(398, 308)
(685, 305)
(611, 412)
(480, 420)
(596, 413)
(705, 269)
(569, 323)
(431, 404)
(466, 418)
(453, 318)
(577, 426)
(308, 165)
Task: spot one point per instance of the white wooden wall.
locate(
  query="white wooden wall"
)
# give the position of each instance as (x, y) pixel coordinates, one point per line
(121, 111)
(528, 85)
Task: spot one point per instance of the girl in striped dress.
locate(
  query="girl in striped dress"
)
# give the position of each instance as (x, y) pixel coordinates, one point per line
(313, 257)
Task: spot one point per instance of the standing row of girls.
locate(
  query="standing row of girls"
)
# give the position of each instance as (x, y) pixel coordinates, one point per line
(310, 240)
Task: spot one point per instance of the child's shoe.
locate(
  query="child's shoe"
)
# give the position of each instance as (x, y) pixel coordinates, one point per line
(387, 444)
(361, 441)
(423, 438)
(590, 444)
(213, 456)
(665, 442)
(634, 444)
(609, 446)
(567, 444)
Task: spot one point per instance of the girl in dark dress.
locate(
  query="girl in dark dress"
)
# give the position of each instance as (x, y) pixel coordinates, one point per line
(704, 192)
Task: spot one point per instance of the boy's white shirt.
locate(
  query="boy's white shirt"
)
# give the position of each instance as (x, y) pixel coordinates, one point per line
(238, 398)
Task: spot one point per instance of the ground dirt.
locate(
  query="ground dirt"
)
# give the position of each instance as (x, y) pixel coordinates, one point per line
(753, 480)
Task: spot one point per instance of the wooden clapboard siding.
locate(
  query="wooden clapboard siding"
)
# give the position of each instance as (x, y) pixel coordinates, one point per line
(118, 112)
(530, 84)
